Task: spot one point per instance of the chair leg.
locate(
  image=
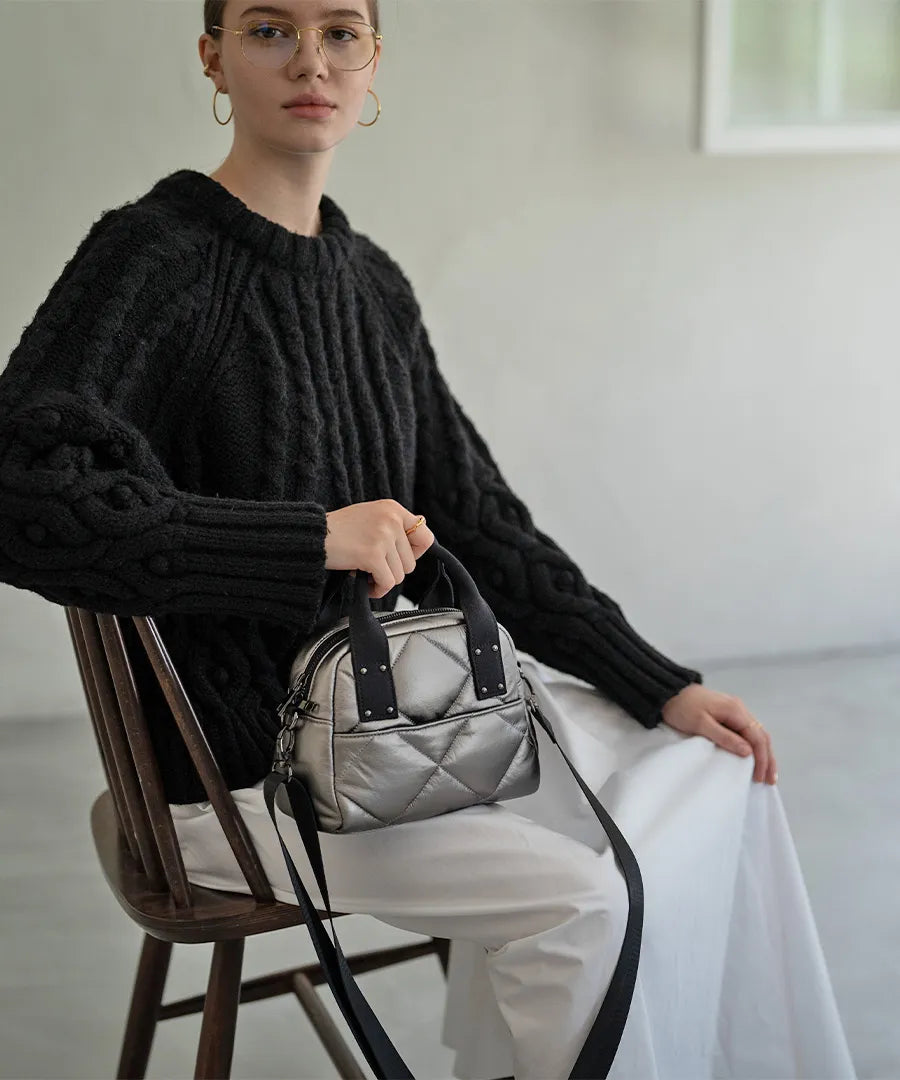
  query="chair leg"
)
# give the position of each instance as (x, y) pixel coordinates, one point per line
(143, 1012)
(223, 993)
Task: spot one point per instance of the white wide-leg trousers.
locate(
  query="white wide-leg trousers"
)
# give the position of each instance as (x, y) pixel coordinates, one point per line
(732, 982)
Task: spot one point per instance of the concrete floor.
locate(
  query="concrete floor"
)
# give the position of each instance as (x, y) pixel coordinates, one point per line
(69, 951)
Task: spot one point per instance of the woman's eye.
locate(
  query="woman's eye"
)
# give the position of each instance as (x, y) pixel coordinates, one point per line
(260, 31)
(341, 30)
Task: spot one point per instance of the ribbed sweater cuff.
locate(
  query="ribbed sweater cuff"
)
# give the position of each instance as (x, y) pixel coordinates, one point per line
(271, 554)
(612, 656)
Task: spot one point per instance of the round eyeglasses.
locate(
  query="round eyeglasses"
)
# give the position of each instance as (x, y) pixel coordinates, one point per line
(272, 43)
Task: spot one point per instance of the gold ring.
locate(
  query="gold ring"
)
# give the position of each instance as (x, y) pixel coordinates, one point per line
(417, 524)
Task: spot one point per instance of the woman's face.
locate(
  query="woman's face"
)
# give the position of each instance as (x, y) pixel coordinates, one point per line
(259, 94)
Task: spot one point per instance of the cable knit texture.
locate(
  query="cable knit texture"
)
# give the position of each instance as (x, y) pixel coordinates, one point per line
(199, 387)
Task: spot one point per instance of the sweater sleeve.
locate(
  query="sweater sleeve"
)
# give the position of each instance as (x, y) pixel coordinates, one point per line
(534, 588)
(89, 512)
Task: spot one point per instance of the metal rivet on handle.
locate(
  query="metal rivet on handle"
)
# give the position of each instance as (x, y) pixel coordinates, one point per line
(478, 652)
(495, 647)
(484, 689)
(368, 712)
(499, 685)
(390, 708)
(383, 667)
(363, 670)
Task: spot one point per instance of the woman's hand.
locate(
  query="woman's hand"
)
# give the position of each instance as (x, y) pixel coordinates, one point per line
(372, 537)
(697, 710)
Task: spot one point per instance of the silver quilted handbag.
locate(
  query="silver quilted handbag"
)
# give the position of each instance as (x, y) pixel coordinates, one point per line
(395, 716)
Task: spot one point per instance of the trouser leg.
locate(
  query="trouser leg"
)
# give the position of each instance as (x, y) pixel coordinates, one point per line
(548, 910)
(564, 929)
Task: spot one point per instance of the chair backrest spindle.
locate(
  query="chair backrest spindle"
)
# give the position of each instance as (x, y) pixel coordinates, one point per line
(214, 785)
(113, 781)
(110, 718)
(134, 725)
(128, 757)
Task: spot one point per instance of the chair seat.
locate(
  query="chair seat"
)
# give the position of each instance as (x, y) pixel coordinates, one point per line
(216, 915)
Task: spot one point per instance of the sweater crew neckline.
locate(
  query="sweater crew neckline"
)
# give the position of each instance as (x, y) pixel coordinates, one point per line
(196, 191)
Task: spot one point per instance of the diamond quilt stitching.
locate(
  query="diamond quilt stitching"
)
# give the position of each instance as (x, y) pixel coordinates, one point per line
(446, 771)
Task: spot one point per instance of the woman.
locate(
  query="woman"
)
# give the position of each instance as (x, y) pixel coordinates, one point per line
(223, 359)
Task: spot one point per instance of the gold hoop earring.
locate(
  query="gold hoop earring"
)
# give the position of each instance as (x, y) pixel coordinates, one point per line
(378, 103)
(215, 114)
(215, 95)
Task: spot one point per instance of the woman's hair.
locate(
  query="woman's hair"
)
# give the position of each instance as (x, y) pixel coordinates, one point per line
(213, 10)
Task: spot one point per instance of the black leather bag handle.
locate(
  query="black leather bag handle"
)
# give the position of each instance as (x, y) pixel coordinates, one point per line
(376, 696)
(440, 592)
(339, 585)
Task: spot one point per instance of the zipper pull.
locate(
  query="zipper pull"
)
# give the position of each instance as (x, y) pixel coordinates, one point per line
(295, 700)
(283, 709)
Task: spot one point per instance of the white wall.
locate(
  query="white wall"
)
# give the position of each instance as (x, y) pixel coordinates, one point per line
(690, 362)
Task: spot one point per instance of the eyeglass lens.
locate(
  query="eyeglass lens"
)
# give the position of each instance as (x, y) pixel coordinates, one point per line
(270, 43)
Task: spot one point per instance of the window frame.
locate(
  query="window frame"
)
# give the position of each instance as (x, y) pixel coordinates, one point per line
(718, 134)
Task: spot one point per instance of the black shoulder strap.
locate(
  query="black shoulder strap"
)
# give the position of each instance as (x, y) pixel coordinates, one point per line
(602, 1042)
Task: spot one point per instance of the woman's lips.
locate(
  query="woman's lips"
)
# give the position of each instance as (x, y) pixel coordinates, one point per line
(310, 110)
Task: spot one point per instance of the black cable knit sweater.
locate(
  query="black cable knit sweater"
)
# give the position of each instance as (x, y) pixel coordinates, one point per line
(198, 387)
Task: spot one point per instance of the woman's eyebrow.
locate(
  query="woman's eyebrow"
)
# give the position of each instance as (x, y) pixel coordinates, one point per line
(268, 9)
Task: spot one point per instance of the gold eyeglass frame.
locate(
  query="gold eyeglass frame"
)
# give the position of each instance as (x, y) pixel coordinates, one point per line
(321, 32)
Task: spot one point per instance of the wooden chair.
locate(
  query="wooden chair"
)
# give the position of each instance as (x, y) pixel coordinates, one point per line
(141, 860)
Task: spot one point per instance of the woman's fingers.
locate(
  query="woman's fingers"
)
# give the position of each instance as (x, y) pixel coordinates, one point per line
(740, 726)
